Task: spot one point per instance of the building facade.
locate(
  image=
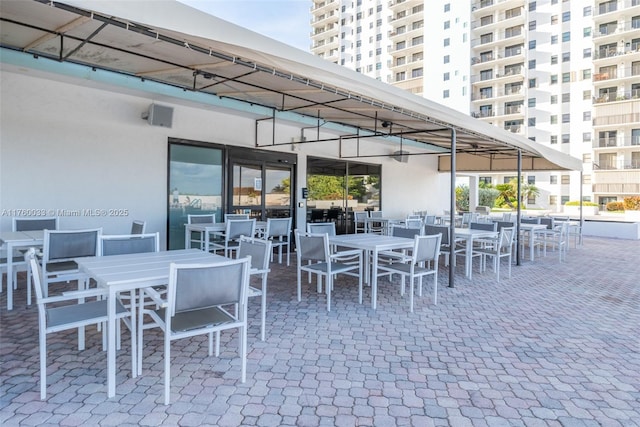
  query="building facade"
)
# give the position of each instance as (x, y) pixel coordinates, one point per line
(562, 73)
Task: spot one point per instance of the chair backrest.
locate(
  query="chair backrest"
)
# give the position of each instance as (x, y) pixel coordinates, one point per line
(278, 227)
(232, 216)
(505, 239)
(548, 221)
(129, 244)
(197, 286)
(489, 226)
(506, 216)
(240, 227)
(468, 218)
(138, 227)
(426, 248)
(443, 230)
(408, 233)
(413, 223)
(360, 216)
(413, 216)
(502, 224)
(66, 245)
(529, 220)
(430, 219)
(259, 251)
(326, 227)
(376, 214)
(201, 219)
(317, 214)
(312, 247)
(34, 224)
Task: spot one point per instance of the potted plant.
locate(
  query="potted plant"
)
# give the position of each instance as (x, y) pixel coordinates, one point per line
(632, 208)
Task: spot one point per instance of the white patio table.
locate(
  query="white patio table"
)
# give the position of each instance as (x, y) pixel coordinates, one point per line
(530, 231)
(123, 273)
(385, 223)
(218, 227)
(373, 244)
(468, 234)
(14, 240)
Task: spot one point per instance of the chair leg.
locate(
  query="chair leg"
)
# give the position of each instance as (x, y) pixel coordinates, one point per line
(435, 287)
(264, 306)
(411, 285)
(217, 343)
(43, 363)
(328, 286)
(167, 368)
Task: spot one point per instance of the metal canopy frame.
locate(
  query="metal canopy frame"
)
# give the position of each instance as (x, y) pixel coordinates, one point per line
(84, 33)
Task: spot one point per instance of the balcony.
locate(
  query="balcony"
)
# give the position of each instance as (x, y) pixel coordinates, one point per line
(612, 142)
(514, 128)
(612, 30)
(617, 119)
(617, 96)
(617, 165)
(613, 52)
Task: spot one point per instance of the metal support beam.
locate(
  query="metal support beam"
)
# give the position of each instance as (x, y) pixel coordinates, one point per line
(452, 212)
(518, 196)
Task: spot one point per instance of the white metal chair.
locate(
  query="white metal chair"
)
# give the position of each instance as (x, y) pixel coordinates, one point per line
(60, 248)
(234, 216)
(260, 253)
(229, 241)
(502, 248)
(359, 220)
(424, 262)
(196, 299)
(64, 317)
(279, 233)
(35, 223)
(196, 236)
(314, 257)
(347, 256)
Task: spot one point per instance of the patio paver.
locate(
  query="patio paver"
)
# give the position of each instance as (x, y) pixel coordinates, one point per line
(555, 345)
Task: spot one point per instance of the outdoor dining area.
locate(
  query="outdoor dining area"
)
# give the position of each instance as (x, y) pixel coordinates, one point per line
(303, 363)
(188, 292)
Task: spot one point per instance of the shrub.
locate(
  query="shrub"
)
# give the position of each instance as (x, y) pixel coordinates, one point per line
(577, 203)
(615, 206)
(487, 196)
(462, 198)
(632, 203)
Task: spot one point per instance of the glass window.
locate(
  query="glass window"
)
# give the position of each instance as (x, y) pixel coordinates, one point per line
(195, 187)
(586, 74)
(447, 24)
(445, 93)
(566, 16)
(447, 7)
(566, 179)
(531, 179)
(586, 158)
(531, 102)
(554, 99)
(566, 56)
(532, 64)
(586, 136)
(554, 19)
(586, 95)
(566, 77)
(566, 118)
(554, 59)
(566, 97)
(532, 25)
(446, 59)
(566, 138)
(554, 39)
(532, 83)
(566, 36)
(532, 44)
(564, 199)
(447, 41)
(586, 11)
(553, 79)
(416, 72)
(586, 32)
(553, 179)
(586, 116)
(532, 6)
(445, 76)
(553, 119)
(531, 122)
(553, 140)
(586, 52)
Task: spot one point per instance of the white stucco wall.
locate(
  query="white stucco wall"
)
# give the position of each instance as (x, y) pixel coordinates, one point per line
(66, 147)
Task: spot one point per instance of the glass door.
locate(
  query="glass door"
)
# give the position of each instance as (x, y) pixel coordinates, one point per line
(194, 187)
(260, 189)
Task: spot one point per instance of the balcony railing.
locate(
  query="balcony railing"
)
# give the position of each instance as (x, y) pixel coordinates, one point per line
(617, 165)
(617, 96)
(611, 52)
(617, 119)
(513, 128)
(629, 141)
(482, 114)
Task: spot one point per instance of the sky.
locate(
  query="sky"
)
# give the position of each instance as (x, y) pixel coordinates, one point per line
(287, 21)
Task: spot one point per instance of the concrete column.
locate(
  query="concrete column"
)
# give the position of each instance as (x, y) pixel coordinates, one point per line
(473, 192)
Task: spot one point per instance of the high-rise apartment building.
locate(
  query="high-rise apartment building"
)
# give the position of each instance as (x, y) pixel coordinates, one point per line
(616, 95)
(564, 73)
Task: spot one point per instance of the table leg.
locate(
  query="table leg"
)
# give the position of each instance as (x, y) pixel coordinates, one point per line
(532, 244)
(467, 259)
(187, 238)
(374, 280)
(111, 343)
(9, 276)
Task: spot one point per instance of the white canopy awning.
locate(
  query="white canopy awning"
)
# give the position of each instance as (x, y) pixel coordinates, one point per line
(172, 43)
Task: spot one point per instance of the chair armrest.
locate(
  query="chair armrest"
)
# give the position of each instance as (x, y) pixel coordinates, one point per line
(349, 254)
(155, 296)
(94, 292)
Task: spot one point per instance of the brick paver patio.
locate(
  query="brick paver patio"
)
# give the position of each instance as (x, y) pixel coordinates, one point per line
(555, 345)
